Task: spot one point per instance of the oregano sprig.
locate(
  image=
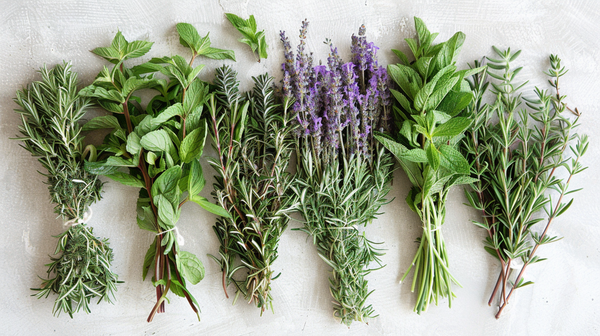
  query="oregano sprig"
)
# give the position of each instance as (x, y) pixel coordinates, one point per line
(50, 112)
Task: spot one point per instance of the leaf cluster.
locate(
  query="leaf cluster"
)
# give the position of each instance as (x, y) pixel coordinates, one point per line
(255, 40)
(517, 151)
(334, 206)
(81, 272)
(432, 94)
(252, 138)
(50, 111)
(157, 149)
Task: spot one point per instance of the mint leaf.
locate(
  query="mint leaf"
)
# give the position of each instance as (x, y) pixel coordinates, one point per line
(190, 266)
(255, 40)
(210, 207)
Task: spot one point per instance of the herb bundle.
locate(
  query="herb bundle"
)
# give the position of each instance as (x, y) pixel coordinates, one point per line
(253, 141)
(342, 172)
(50, 111)
(433, 94)
(517, 164)
(159, 145)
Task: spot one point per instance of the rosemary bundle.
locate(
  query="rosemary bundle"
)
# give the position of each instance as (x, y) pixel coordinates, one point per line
(50, 111)
(157, 148)
(342, 172)
(253, 141)
(517, 163)
(433, 94)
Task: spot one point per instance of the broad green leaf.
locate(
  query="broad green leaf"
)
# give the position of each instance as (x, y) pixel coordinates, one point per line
(193, 144)
(166, 213)
(102, 93)
(407, 78)
(188, 35)
(99, 168)
(190, 267)
(137, 49)
(110, 106)
(151, 158)
(101, 122)
(442, 88)
(119, 43)
(453, 160)
(450, 50)
(118, 161)
(156, 141)
(452, 127)
(196, 179)
(433, 156)
(219, 54)
(134, 83)
(110, 54)
(149, 259)
(401, 56)
(402, 100)
(167, 181)
(133, 143)
(422, 65)
(210, 207)
(455, 102)
(145, 217)
(126, 179)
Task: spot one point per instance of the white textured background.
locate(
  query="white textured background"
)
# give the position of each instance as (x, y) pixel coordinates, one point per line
(564, 301)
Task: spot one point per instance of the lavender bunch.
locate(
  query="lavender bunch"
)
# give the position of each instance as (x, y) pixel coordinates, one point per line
(342, 172)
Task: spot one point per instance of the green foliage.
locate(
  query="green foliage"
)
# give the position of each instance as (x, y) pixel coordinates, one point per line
(431, 97)
(157, 149)
(252, 139)
(334, 205)
(515, 163)
(200, 46)
(82, 271)
(50, 111)
(254, 39)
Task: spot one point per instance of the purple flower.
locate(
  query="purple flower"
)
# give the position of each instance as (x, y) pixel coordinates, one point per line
(339, 105)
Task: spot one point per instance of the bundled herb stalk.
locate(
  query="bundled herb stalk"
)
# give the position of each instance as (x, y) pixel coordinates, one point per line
(342, 172)
(432, 95)
(252, 138)
(518, 164)
(157, 148)
(50, 111)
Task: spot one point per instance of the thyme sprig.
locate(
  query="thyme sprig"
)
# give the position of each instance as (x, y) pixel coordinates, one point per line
(253, 142)
(50, 112)
(157, 148)
(516, 164)
(433, 94)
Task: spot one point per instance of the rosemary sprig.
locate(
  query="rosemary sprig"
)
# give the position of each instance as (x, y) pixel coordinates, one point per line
(433, 95)
(160, 146)
(342, 172)
(50, 112)
(516, 165)
(252, 139)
